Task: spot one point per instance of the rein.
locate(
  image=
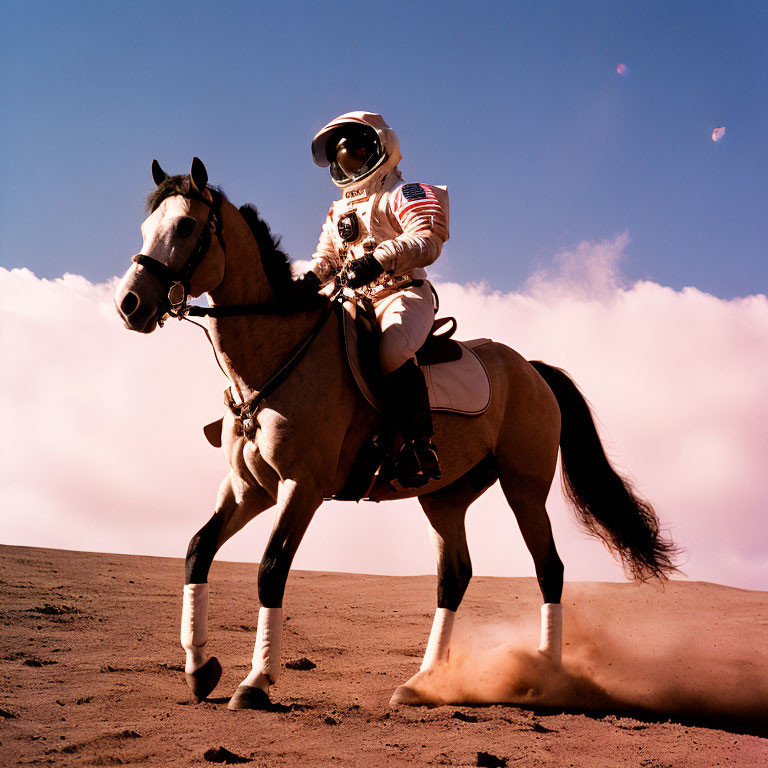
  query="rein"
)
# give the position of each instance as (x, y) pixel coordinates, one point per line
(244, 413)
(177, 285)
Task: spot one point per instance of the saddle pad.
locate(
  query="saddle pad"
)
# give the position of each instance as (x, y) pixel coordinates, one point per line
(460, 386)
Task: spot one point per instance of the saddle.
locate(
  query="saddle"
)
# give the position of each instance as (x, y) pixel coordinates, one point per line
(457, 380)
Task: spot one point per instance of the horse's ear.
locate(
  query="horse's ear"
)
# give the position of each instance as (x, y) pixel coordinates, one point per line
(199, 175)
(158, 174)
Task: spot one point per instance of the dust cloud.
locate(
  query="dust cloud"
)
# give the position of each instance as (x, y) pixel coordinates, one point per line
(618, 662)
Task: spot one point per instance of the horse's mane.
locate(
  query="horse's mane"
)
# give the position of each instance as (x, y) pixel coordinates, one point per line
(276, 263)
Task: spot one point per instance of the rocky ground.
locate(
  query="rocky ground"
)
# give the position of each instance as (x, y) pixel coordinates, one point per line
(92, 672)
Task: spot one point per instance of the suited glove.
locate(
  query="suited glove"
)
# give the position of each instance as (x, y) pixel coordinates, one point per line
(362, 271)
(308, 285)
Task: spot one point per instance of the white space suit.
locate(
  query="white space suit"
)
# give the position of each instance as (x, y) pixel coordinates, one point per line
(403, 225)
(382, 233)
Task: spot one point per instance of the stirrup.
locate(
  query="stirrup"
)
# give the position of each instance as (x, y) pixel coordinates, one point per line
(418, 463)
(374, 456)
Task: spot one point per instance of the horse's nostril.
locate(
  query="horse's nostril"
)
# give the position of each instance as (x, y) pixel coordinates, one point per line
(129, 303)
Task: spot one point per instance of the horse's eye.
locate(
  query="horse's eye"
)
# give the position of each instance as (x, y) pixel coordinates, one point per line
(185, 226)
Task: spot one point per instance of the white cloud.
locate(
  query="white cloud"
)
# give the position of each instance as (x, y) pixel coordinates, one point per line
(103, 449)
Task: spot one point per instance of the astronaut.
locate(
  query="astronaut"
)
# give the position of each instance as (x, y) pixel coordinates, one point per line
(378, 238)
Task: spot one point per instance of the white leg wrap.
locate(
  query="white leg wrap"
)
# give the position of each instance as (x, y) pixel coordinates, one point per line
(194, 625)
(266, 652)
(551, 644)
(439, 638)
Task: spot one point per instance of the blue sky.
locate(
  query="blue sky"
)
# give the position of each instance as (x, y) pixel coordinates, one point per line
(517, 106)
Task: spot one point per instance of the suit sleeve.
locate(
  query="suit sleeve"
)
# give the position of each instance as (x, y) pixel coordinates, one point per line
(421, 211)
(325, 261)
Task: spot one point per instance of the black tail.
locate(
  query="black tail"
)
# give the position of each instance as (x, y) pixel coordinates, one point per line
(604, 501)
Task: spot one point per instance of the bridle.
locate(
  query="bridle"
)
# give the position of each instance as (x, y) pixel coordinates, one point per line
(176, 282)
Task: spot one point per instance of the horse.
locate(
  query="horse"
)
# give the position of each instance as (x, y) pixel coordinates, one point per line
(282, 351)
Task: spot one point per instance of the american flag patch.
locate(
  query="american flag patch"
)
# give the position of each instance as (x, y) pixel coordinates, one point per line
(416, 207)
(414, 197)
(413, 192)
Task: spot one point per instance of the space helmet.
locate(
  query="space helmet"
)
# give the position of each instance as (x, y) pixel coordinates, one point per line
(358, 147)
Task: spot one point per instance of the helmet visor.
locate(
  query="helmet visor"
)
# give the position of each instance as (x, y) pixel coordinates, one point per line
(354, 151)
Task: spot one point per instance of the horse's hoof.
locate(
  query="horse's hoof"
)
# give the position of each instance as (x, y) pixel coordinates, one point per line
(405, 696)
(202, 681)
(249, 697)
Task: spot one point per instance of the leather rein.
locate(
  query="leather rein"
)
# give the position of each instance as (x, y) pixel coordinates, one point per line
(177, 286)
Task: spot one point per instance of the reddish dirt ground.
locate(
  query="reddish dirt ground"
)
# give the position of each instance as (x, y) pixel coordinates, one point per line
(92, 675)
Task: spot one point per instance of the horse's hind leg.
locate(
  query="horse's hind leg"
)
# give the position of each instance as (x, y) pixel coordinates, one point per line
(446, 510)
(527, 495)
(233, 510)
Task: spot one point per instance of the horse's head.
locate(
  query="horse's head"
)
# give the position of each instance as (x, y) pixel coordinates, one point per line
(182, 252)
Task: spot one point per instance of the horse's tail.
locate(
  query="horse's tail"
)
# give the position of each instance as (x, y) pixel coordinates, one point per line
(604, 501)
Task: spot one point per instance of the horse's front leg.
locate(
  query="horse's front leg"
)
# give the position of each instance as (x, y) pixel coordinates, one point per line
(236, 505)
(297, 502)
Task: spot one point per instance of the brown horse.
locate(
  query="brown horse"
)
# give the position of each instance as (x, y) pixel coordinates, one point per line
(309, 426)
